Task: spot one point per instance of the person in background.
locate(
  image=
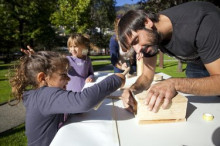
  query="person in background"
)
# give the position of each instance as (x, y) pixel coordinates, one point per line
(40, 82)
(81, 70)
(191, 33)
(119, 59)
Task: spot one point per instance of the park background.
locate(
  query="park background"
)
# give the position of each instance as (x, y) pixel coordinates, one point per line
(46, 25)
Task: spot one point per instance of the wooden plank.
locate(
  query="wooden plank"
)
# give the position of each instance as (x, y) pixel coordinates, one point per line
(140, 66)
(158, 77)
(143, 122)
(176, 110)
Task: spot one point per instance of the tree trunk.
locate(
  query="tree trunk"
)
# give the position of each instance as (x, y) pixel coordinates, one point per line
(180, 69)
(161, 59)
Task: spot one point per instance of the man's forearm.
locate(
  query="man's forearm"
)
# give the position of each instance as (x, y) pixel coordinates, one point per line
(142, 83)
(198, 86)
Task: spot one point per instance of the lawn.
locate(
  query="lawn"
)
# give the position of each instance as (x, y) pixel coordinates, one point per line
(103, 57)
(17, 136)
(5, 88)
(14, 137)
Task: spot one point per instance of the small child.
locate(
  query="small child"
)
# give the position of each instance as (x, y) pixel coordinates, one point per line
(40, 81)
(81, 70)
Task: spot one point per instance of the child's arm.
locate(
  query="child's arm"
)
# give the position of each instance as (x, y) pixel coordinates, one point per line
(54, 100)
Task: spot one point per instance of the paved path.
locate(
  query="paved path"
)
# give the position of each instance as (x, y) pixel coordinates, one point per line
(12, 116)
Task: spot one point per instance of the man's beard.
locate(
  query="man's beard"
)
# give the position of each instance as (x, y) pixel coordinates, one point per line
(155, 40)
(155, 37)
(154, 49)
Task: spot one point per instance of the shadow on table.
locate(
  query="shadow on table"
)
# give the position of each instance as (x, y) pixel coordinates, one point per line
(204, 99)
(199, 99)
(122, 114)
(215, 137)
(104, 113)
(190, 109)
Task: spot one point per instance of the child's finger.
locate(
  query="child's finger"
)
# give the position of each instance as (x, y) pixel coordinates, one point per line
(126, 71)
(30, 49)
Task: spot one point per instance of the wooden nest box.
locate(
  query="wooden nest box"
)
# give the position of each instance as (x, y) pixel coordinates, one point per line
(176, 112)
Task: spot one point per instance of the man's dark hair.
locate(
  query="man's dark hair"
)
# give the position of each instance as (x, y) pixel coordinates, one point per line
(133, 20)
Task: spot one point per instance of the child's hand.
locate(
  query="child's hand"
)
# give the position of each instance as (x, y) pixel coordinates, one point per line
(124, 66)
(29, 51)
(88, 80)
(122, 78)
(139, 56)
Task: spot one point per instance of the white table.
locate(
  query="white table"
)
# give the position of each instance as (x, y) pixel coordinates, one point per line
(111, 125)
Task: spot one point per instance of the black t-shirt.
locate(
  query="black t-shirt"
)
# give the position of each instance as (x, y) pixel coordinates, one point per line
(196, 32)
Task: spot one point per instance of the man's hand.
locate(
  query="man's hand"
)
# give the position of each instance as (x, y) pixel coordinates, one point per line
(128, 100)
(160, 92)
(29, 51)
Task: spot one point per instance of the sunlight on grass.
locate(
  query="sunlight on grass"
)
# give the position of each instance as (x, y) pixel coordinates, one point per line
(104, 57)
(5, 88)
(99, 64)
(171, 68)
(14, 137)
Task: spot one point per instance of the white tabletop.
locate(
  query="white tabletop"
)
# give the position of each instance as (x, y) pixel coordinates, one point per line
(112, 125)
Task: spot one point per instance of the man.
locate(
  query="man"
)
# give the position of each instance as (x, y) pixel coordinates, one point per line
(190, 32)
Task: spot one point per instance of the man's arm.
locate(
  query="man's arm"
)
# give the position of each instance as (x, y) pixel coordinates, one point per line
(166, 90)
(145, 80)
(201, 86)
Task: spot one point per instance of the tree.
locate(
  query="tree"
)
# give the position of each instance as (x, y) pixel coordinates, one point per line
(25, 22)
(85, 16)
(72, 14)
(159, 5)
(102, 16)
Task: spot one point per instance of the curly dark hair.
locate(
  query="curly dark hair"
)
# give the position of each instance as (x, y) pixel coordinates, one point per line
(25, 76)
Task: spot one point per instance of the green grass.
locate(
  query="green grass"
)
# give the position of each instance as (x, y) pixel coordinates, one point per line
(17, 136)
(14, 137)
(104, 57)
(170, 68)
(99, 64)
(5, 89)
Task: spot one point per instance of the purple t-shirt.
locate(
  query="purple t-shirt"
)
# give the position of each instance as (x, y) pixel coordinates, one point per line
(45, 107)
(80, 70)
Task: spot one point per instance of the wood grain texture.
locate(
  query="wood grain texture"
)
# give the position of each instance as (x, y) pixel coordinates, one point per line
(176, 110)
(143, 122)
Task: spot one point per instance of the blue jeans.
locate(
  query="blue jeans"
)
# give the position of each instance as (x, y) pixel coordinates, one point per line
(196, 70)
